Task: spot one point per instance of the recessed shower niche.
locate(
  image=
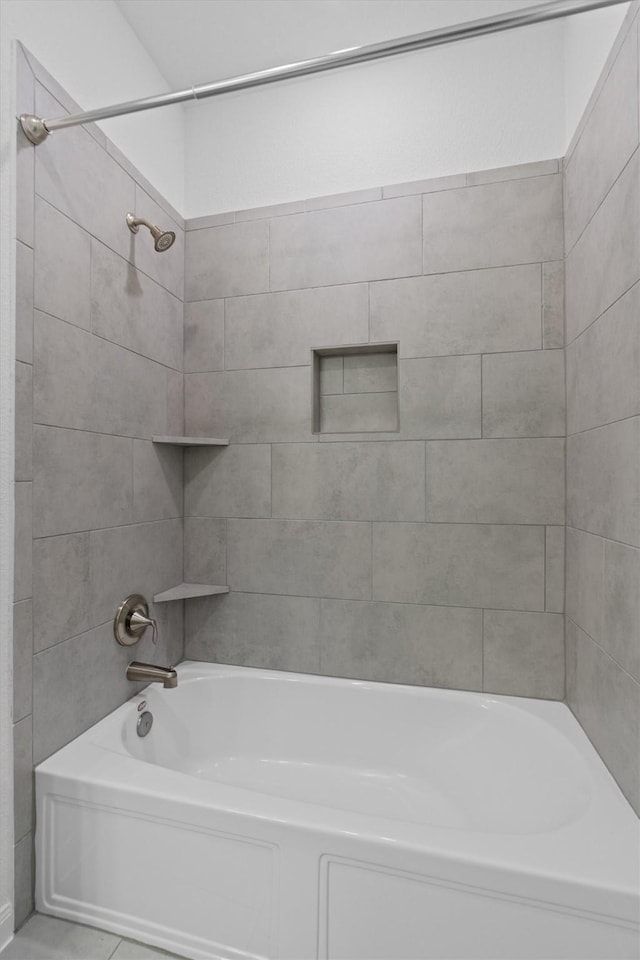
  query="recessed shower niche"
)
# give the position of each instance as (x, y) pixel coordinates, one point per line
(355, 389)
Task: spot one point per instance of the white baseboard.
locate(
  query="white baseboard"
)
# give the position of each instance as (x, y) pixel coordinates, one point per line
(6, 925)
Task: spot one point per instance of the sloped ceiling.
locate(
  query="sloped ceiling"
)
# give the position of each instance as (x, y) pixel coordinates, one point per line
(196, 41)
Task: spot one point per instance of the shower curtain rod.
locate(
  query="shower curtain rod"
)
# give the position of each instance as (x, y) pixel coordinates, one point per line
(38, 129)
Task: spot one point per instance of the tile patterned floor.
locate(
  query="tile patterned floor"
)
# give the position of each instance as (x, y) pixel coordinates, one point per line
(45, 938)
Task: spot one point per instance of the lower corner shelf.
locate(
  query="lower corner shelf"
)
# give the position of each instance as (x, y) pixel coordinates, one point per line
(185, 590)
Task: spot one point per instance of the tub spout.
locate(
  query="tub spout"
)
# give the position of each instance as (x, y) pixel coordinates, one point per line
(167, 676)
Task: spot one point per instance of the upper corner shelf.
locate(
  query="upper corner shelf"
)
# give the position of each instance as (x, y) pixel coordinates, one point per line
(192, 441)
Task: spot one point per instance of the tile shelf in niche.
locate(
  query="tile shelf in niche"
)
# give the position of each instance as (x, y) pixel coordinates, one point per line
(183, 591)
(192, 441)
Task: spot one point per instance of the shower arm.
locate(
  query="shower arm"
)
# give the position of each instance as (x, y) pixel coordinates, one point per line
(37, 129)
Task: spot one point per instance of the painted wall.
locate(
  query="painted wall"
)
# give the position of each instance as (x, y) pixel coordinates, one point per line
(433, 554)
(602, 233)
(484, 103)
(98, 371)
(587, 41)
(94, 54)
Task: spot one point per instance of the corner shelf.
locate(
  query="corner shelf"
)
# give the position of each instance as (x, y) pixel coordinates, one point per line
(191, 441)
(185, 590)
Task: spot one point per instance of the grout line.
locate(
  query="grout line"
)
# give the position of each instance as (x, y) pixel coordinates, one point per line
(384, 279)
(542, 306)
(600, 315)
(544, 564)
(358, 203)
(603, 651)
(399, 603)
(115, 949)
(482, 397)
(600, 204)
(622, 543)
(92, 333)
(602, 426)
(482, 642)
(401, 359)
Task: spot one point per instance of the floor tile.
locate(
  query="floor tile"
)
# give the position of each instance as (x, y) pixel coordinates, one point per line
(46, 938)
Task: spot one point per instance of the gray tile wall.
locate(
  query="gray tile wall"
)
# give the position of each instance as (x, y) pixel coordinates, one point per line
(602, 235)
(98, 371)
(433, 554)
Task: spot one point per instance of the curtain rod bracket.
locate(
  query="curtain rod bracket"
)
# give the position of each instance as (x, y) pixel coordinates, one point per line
(33, 128)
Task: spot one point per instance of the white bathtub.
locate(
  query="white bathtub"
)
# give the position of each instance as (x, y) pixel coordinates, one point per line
(279, 815)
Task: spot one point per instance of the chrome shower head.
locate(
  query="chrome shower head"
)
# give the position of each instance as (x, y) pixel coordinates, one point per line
(163, 238)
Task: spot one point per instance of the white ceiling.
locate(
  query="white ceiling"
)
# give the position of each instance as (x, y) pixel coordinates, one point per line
(196, 41)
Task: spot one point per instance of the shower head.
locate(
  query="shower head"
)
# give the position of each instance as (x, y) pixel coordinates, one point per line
(163, 238)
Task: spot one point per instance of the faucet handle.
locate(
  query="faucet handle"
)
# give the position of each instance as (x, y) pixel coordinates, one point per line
(138, 623)
(132, 619)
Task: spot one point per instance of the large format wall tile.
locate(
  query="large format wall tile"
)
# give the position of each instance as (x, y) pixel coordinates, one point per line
(607, 141)
(141, 558)
(495, 481)
(24, 864)
(605, 261)
(24, 303)
(22, 658)
(25, 155)
(474, 565)
(477, 311)
(255, 630)
(402, 643)
(300, 558)
(523, 394)
(204, 336)
(62, 280)
(79, 178)
(61, 569)
(524, 654)
(98, 668)
(23, 777)
(205, 550)
(621, 606)
(24, 421)
(22, 575)
(281, 329)
(584, 581)
(553, 304)
(494, 225)
(124, 393)
(250, 406)
(367, 241)
(227, 261)
(603, 367)
(349, 481)
(554, 569)
(606, 701)
(95, 666)
(130, 309)
(157, 481)
(96, 467)
(602, 481)
(233, 481)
